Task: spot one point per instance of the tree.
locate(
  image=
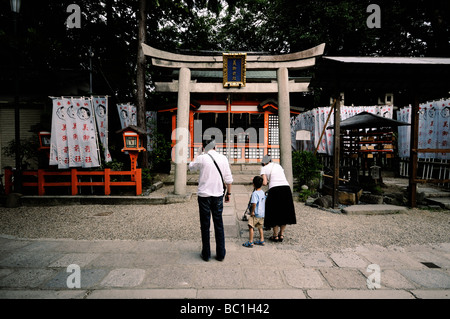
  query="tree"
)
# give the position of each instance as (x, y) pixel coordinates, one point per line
(111, 28)
(140, 74)
(408, 28)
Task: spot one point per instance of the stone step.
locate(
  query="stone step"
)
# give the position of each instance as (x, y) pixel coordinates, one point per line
(443, 202)
(428, 192)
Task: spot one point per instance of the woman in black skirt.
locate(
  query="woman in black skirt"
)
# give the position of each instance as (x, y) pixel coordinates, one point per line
(280, 209)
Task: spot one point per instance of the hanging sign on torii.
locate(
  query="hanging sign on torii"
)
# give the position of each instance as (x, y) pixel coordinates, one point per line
(234, 68)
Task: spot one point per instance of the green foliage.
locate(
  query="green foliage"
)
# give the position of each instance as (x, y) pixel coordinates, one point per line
(160, 153)
(304, 194)
(377, 190)
(113, 165)
(28, 151)
(305, 167)
(146, 177)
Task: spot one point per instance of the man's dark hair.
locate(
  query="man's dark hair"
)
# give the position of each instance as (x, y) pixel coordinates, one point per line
(257, 181)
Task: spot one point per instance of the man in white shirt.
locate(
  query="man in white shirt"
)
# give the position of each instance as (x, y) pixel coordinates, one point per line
(210, 195)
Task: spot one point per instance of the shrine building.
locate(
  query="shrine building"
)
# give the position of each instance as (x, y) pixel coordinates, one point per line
(243, 100)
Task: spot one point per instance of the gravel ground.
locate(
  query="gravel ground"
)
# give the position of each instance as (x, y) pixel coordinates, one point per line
(316, 229)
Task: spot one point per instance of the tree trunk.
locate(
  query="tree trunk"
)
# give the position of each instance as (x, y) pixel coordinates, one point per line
(140, 80)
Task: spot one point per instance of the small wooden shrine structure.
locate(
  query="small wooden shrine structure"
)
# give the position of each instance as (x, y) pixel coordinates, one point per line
(420, 77)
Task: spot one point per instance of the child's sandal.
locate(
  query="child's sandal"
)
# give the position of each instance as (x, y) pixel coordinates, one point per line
(261, 243)
(248, 244)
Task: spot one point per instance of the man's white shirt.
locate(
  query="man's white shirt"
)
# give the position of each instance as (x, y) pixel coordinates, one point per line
(209, 181)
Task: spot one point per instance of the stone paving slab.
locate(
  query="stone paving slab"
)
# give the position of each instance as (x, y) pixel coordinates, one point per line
(242, 198)
(124, 278)
(439, 259)
(81, 259)
(348, 259)
(315, 259)
(392, 260)
(262, 278)
(143, 294)
(304, 278)
(392, 279)
(428, 278)
(27, 278)
(442, 247)
(169, 276)
(343, 278)
(41, 294)
(156, 258)
(29, 259)
(277, 258)
(431, 294)
(219, 277)
(42, 245)
(256, 294)
(359, 294)
(90, 278)
(107, 260)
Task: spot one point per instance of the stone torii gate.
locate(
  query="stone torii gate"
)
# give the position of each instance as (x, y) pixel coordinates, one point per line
(184, 86)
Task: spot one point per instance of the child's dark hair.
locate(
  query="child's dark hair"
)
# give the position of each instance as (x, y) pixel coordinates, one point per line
(257, 181)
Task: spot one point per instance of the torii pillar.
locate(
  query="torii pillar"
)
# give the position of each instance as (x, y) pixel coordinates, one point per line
(284, 117)
(182, 132)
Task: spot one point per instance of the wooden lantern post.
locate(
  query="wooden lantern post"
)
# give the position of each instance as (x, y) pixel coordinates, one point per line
(132, 141)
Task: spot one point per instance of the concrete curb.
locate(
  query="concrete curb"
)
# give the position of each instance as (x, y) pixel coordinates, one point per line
(103, 200)
(373, 209)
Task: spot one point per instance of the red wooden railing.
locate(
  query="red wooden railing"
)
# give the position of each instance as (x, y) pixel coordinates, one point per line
(41, 184)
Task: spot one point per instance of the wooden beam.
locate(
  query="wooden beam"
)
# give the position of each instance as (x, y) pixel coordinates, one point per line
(341, 179)
(413, 155)
(325, 127)
(337, 150)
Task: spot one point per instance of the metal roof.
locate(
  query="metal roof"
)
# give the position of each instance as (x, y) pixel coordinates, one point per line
(390, 60)
(384, 73)
(368, 120)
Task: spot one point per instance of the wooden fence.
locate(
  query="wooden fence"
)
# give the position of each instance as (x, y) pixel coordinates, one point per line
(72, 179)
